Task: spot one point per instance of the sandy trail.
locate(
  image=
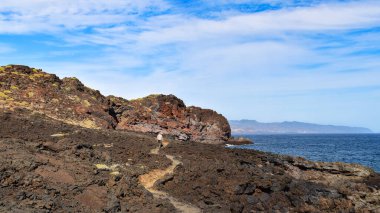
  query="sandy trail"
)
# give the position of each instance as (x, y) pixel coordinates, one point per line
(148, 180)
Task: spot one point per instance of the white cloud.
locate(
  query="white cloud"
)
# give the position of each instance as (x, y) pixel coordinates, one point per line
(313, 19)
(243, 65)
(47, 16)
(40, 8)
(212, 51)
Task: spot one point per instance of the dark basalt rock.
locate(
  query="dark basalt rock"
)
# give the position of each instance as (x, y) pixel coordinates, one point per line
(41, 173)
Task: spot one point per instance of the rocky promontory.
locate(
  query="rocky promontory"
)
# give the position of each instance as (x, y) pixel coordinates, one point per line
(169, 114)
(66, 148)
(68, 100)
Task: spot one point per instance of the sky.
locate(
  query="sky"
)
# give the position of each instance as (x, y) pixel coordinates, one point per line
(270, 60)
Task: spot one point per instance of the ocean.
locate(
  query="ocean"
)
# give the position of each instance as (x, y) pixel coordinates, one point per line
(350, 148)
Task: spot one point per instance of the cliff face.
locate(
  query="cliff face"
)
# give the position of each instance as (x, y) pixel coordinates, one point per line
(70, 101)
(170, 115)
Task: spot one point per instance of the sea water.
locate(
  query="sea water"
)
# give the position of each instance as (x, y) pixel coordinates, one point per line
(351, 148)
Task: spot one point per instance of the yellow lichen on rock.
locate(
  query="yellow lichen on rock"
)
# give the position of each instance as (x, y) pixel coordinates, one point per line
(37, 75)
(86, 103)
(102, 167)
(114, 167)
(116, 173)
(89, 124)
(22, 104)
(30, 94)
(17, 73)
(3, 95)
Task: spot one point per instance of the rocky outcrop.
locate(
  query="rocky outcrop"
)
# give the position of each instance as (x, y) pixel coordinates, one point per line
(70, 101)
(169, 114)
(67, 100)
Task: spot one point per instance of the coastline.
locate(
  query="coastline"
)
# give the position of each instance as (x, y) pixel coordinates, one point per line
(347, 148)
(209, 177)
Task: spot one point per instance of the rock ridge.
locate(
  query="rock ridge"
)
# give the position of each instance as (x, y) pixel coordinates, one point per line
(70, 101)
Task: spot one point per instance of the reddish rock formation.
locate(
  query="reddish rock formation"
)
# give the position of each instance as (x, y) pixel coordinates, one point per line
(168, 114)
(70, 101)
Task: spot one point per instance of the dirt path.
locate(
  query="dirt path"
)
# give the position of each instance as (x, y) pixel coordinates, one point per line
(153, 176)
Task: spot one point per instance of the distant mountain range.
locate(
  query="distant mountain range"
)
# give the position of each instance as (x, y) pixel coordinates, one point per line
(255, 127)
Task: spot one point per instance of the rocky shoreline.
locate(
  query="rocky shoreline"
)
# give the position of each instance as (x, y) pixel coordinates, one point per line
(67, 148)
(47, 165)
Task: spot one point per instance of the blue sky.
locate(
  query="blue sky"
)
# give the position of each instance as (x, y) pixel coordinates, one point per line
(270, 60)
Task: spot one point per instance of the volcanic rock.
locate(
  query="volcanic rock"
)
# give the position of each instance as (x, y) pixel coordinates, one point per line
(70, 101)
(169, 115)
(49, 163)
(41, 172)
